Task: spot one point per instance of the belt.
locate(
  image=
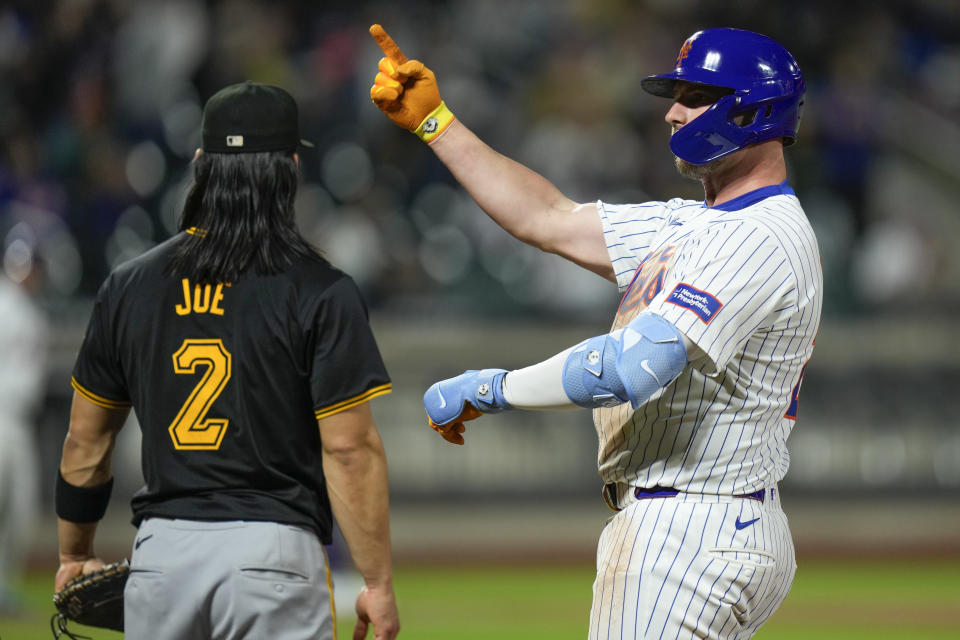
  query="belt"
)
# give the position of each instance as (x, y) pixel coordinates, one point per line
(611, 497)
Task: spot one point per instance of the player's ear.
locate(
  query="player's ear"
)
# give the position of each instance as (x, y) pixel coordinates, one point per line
(296, 158)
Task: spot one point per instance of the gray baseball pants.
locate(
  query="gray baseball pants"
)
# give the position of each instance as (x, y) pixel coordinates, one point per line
(197, 580)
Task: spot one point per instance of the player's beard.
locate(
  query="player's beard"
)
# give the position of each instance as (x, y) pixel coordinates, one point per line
(700, 171)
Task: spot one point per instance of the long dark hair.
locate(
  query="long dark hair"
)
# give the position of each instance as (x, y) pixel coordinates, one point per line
(239, 216)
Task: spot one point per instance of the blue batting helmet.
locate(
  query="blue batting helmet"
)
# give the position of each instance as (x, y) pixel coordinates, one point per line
(765, 81)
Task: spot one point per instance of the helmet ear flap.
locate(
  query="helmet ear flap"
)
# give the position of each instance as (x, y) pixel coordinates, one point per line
(766, 81)
(711, 135)
(734, 122)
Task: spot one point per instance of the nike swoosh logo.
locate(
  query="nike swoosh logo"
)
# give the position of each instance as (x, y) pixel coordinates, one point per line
(645, 365)
(136, 545)
(443, 401)
(744, 525)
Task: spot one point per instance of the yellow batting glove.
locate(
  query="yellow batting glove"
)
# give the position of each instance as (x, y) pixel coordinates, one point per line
(407, 91)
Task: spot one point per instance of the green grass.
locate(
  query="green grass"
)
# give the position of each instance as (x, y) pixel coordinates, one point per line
(830, 599)
(891, 598)
(470, 603)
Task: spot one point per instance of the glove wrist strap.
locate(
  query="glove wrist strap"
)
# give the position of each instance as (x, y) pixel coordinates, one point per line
(489, 396)
(435, 123)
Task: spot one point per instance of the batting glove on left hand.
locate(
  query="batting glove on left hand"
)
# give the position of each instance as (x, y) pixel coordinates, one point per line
(450, 403)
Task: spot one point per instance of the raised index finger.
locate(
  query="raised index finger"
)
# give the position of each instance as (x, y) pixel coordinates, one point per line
(387, 45)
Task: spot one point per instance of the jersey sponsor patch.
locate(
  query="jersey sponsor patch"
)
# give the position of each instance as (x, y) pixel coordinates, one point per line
(700, 302)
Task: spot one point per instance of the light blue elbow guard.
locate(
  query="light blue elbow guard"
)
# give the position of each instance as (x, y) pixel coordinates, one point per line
(612, 369)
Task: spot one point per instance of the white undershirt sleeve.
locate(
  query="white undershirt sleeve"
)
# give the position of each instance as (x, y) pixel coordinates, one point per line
(539, 386)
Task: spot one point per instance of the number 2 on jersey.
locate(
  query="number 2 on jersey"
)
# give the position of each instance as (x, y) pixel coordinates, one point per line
(191, 429)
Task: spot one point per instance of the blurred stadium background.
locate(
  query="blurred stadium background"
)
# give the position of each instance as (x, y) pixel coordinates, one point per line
(100, 108)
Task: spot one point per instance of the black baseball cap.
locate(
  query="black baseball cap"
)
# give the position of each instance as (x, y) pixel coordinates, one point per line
(249, 117)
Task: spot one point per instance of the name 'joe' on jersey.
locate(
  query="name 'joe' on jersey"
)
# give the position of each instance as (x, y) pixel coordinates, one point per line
(228, 381)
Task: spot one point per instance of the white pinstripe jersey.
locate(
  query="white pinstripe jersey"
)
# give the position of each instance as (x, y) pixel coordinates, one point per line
(743, 281)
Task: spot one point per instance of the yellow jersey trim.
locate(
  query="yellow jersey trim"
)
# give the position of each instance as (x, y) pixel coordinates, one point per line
(343, 405)
(333, 605)
(100, 401)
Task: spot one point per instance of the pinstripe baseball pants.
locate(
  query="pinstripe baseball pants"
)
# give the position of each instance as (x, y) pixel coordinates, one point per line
(691, 566)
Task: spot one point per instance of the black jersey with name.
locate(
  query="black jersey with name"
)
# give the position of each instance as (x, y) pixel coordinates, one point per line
(228, 381)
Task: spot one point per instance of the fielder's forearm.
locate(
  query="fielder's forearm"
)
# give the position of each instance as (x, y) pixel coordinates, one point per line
(86, 458)
(75, 540)
(83, 489)
(357, 486)
(88, 445)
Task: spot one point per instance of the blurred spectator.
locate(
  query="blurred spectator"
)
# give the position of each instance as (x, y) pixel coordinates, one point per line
(23, 349)
(100, 108)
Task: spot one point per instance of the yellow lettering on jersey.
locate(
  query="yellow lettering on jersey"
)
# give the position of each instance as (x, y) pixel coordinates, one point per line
(184, 309)
(201, 298)
(205, 299)
(215, 307)
(192, 429)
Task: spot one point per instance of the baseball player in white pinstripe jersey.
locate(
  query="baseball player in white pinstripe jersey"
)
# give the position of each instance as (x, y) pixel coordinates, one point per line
(694, 389)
